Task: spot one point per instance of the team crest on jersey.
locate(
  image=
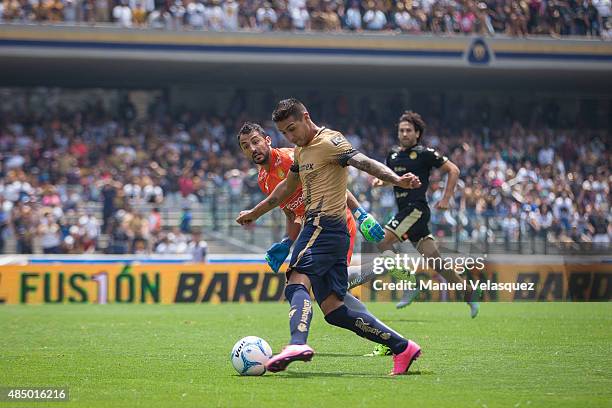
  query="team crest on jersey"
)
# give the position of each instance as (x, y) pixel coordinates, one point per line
(413, 155)
(281, 173)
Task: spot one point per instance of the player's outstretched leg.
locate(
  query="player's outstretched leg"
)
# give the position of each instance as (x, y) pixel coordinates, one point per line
(428, 248)
(366, 325)
(360, 274)
(300, 315)
(356, 305)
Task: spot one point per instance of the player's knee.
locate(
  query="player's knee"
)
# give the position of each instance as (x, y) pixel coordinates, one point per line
(297, 278)
(291, 290)
(331, 303)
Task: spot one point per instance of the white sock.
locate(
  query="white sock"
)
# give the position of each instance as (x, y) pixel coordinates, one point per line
(358, 275)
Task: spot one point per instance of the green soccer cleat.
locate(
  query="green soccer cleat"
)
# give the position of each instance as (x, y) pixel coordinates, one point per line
(379, 350)
(402, 274)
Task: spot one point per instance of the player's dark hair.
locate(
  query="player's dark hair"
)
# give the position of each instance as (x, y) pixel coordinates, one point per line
(249, 127)
(288, 108)
(416, 120)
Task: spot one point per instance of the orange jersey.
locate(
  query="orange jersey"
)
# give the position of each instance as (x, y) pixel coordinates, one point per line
(351, 225)
(281, 160)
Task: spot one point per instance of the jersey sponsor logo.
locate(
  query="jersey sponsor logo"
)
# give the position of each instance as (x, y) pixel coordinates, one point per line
(307, 166)
(365, 327)
(306, 308)
(295, 204)
(413, 155)
(398, 169)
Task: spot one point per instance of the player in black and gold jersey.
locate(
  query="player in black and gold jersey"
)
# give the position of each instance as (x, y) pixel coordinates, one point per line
(411, 221)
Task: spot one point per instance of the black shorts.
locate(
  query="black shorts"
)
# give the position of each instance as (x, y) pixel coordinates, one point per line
(320, 253)
(411, 223)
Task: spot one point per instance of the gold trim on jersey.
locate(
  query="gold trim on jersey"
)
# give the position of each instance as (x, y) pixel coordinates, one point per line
(311, 241)
(406, 223)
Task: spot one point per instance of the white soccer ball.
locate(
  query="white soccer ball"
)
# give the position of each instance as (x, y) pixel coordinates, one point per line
(250, 354)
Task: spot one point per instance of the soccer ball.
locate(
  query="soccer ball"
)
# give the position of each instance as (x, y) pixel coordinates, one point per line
(250, 354)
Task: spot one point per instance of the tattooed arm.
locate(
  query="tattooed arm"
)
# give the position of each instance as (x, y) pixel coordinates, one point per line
(382, 172)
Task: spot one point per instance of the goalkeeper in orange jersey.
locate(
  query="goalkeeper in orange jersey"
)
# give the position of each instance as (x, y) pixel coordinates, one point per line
(274, 165)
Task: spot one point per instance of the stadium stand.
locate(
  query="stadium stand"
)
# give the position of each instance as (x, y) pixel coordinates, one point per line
(513, 18)
(97, 178)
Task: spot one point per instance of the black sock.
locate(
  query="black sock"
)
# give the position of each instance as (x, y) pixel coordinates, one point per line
(300, 313)
(366, 325)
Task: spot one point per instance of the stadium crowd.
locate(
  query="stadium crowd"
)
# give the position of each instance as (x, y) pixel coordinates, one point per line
(516, 180)
(487, 17)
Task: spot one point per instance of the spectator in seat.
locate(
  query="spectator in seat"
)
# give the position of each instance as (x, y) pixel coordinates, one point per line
(374, 19)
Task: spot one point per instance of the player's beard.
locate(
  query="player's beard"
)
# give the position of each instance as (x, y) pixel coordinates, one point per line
(264, 160)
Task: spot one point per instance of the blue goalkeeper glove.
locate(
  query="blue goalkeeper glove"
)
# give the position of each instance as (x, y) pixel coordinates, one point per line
(277, 253)
(368, 226)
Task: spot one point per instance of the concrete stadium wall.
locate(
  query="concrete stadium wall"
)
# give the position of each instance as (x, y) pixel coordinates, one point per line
(81, 56)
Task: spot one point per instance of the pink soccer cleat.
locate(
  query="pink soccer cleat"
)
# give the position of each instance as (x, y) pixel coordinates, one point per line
(292, 352)
(403, 360)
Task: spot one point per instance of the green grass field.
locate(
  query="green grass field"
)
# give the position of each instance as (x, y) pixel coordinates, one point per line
(512, 355)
